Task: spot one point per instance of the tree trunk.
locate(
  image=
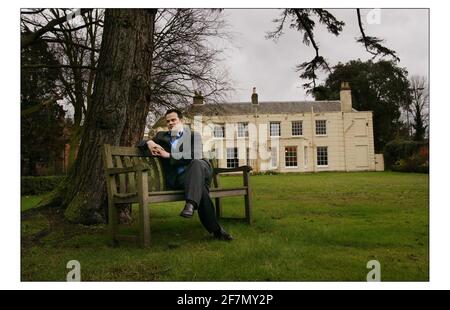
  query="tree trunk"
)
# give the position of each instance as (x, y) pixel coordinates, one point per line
(120, 104)
(75, 138)
(32, 167)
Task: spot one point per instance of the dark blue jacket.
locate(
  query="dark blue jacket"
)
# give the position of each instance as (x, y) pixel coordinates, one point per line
(188, 147)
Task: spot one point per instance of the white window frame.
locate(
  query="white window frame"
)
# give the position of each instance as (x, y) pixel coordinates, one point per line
(236, 153)
(317, 156)
(316, 127)
(270, 129)
(223, 131)
(296, 156)
(300, 128)
(244, 131)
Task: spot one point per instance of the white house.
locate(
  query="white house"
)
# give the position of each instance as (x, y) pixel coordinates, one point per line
(301, 136)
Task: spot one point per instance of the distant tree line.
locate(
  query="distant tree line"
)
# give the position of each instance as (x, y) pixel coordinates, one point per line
(399, 103)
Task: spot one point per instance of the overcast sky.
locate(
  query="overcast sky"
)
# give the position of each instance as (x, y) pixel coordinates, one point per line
(253, 60)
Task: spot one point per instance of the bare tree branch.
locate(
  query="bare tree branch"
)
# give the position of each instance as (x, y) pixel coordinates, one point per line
(39, 106)
(51, 40)
(183, 60)
(28, 38)
(373, 44)
(32, 11)
(39, 66)
(301, 20)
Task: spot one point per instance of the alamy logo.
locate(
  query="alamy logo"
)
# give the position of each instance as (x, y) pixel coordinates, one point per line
(374, 275)
(74, 275)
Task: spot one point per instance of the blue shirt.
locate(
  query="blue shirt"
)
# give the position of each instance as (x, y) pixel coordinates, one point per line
(173, 143)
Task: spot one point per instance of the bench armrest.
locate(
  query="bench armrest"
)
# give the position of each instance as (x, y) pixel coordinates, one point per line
(237, 169)
(136, 168)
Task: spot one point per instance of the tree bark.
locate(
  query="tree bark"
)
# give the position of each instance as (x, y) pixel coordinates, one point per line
(117, 113)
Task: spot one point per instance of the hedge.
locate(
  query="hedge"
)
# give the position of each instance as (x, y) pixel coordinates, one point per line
(39, 185)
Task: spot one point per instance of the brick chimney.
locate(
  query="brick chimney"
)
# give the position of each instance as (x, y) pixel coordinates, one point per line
(198, 98)
(346, 97)
(254, 96)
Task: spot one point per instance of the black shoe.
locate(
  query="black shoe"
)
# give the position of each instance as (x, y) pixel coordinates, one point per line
(221, 234)
(188, 210)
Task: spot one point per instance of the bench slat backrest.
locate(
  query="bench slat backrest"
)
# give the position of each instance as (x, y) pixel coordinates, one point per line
(118, 157)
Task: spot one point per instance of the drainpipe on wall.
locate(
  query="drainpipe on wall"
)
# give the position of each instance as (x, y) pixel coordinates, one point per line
(257, 160)
(345, 147)
(313, 162)
(254, 111)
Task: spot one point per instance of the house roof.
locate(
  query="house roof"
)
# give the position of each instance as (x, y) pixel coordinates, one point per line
(268, 107)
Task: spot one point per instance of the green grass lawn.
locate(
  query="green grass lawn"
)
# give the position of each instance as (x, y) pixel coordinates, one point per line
(307, 227)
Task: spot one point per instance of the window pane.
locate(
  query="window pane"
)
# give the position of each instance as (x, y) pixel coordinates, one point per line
(290, 156)
(232, 157)
(275, 129)
(321, 127)
(219, 131)
(242, 129)
(322, 156)
(297, 128)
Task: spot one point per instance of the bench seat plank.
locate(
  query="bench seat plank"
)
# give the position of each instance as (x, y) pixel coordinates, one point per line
(178, 195)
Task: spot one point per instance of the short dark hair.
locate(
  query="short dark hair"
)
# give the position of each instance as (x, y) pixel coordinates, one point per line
(180, 115)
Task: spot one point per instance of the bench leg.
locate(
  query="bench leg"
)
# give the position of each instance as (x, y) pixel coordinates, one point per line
(144, 224)
(113, 222)
(248, 208)
(144, 221)
(248, 199)
(216, 182)
(218, 208)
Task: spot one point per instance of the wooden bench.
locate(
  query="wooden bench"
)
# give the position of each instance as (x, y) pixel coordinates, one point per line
(134, 177)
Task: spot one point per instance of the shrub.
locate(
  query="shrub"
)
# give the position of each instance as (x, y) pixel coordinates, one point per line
(406, 155)
(268, 172)
(39, 185)
(399, 165)
(414, 163)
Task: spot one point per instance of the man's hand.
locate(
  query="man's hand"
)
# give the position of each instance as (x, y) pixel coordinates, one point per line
(157, 150)
(154, 148)
(163, 153)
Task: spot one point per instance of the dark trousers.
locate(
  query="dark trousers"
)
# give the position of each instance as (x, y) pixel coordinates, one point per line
(196, 181)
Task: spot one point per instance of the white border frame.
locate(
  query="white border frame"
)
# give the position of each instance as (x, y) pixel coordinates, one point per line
(439, 213)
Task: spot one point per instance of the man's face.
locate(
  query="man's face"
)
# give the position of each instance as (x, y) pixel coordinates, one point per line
(172, 120)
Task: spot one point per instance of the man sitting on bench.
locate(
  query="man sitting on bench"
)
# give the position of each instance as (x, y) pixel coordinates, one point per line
(181, 151)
